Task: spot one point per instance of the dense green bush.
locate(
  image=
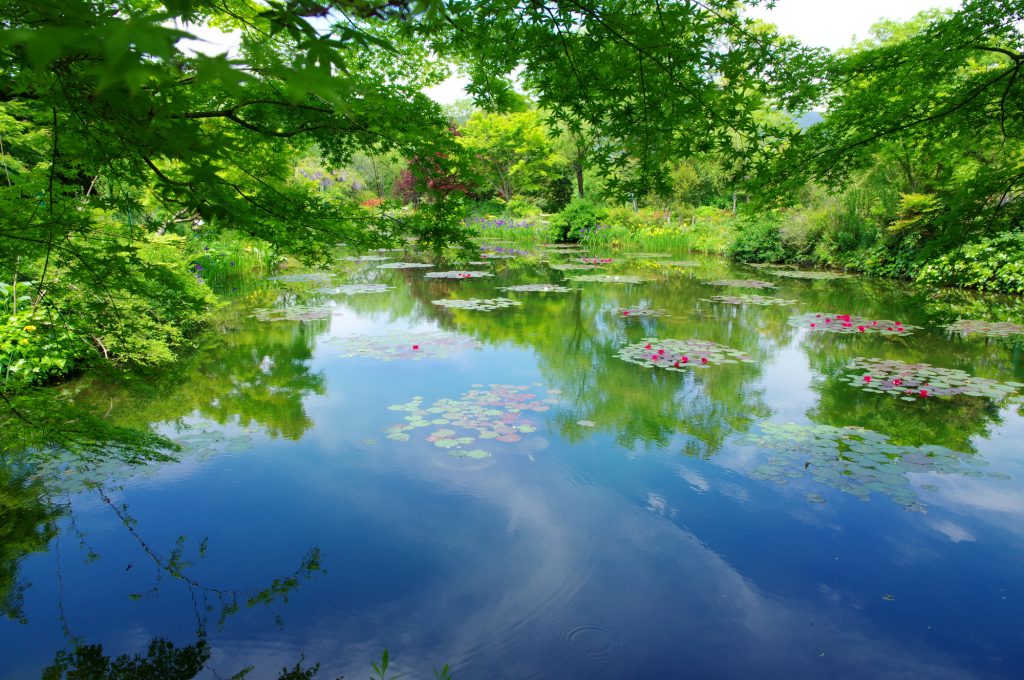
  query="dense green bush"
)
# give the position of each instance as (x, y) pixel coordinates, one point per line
(993, 264)
(759, 239)
(579, 218)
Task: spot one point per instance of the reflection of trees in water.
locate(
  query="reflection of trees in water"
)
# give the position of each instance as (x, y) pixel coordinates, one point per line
(27, 524)
(575, 337)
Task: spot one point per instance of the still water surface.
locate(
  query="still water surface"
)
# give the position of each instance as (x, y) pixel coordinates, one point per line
(515, 499)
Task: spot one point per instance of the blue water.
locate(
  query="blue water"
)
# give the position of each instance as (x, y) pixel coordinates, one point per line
(640, 546)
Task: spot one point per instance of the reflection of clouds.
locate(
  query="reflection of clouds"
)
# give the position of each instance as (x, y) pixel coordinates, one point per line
(526, 562)
(658, 505)
(694, 479)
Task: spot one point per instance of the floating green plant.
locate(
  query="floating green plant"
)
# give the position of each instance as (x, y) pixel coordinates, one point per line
(805, 274)
(750, 300)
(742, 283)
(564, 251)
(641, 311)
(406, 345)
(572, 266)
(595, 260)
(647, 256)
(311, 277)
(847, 323)
(404, 265)
(358, 289)
(538, 288)
(854, 460)
(458, 274)
(911, 382)
(996, 329)
(365, 258)
(678, 355)
(608, 278)
(478, 304)
(292, 313)
(679, 263)
(494, 414)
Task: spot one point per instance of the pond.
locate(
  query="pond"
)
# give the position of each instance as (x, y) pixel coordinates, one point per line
(655, 467)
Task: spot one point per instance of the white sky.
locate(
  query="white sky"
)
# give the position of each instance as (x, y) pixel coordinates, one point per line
(819, 23)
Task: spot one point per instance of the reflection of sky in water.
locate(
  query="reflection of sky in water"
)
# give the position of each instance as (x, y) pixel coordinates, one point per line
(576, 552)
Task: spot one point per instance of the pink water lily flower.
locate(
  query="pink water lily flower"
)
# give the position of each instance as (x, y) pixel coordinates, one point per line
(415, 346)
(867, 378)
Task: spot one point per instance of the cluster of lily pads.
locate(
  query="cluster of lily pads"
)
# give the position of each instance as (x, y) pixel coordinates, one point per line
(679, 263)
(742, 283)
(570, 266)
(995, 329)
(808, 274)
(848, 323)
(596, 260)
(538, 288)
(292, 313)
(750, 300)
(608, 278)
(919, 381)
(478, 304)
(309, 277)
(457, 274)
(678, 355)
(854, 460)
(646, 256)
(494, 414)
(405, 265)
(358, 289)
(409, 346)
(642, 311)
(365, 258)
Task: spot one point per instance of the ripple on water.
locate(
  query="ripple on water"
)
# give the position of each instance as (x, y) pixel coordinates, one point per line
(590, 640)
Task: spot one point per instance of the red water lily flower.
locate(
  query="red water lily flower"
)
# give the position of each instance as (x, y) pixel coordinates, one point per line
(415, 346)
(625, 312)
(647, 346)
(685, 359)
(813, 325)
(860, 328)
(703, 360)
(924, 393)
(654, 357)
(867, 378)
(661, 351)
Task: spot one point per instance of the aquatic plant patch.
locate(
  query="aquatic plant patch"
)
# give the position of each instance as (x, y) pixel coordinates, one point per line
(358, 289)
(646, 256)
(596, 260)
(742, 283)
(572, 266)
(496, 415)
(750, 300)
(911, 382)
(538, 288)
(679, 355)
(404, 346)
(806, 274)
(679, 263)
(608, 278)
(847, 323)
(478, 304)
(365, 258)
(311, 277)
(854, 460)
(404, 265)
(994, 329)
(458, 274)
(641, 311)
(292, 313)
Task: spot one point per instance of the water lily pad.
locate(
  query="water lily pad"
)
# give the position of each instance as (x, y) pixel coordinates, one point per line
(679, 263)
(995, 329)
(646, 256)
(478, 304)
(405, 265)
(808, 274)
(852, 459)
(847, 323)
(921, 381)
(586, 423)
(411, 346)
(292, 313)
(641, 311)
(679, 355)
(497, 413)
(595, 260)
(742, 283)
(538, 288)
(364, 258)
(750, 300)
(302, 278)
(358, 289)
(457, 274)
(571, 267)
(608, 278)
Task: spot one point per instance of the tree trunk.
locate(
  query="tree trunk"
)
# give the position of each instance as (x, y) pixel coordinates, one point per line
(578, 167)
